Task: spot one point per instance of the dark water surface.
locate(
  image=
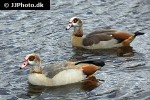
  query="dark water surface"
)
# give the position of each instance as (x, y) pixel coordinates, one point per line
(125, 76)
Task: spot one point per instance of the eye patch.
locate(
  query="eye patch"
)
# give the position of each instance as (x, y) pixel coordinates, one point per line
(31, 58)
(75, 20)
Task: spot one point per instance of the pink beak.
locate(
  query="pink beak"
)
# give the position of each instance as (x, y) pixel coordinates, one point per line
(69, 26)
(24, 65)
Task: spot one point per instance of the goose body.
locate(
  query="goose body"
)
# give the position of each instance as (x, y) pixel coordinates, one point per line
(103, 39)
(62, 78)
(59, 74)
(80, 42)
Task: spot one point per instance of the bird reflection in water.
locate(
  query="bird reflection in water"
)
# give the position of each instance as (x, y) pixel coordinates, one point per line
(91, 83)
(126, 51)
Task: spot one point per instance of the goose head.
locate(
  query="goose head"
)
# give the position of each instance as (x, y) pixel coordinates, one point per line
(32, 60)
(74, 22)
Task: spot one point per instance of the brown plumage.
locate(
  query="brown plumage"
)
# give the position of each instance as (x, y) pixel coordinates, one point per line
(61, 74)
(121, 36)
(103, 39)
(89, 69)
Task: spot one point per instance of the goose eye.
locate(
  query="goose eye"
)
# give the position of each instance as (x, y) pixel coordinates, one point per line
(75, 20)
(31, 58)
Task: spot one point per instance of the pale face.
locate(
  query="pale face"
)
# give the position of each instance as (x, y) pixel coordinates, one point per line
(74, 22)
(30, 59)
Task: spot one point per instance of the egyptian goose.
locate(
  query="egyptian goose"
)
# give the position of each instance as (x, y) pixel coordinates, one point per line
(103, 39)
(61, 74)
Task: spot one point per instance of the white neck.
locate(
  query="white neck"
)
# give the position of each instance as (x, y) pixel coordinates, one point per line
(78, 31)
(36, 68)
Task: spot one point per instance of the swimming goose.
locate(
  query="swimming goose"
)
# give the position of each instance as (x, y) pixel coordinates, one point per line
(103, 39)
(59, 74)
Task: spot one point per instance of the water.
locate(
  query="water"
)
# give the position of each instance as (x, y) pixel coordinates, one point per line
(125, 76)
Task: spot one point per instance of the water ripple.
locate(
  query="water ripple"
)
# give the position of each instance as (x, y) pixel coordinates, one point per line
(126, 74)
